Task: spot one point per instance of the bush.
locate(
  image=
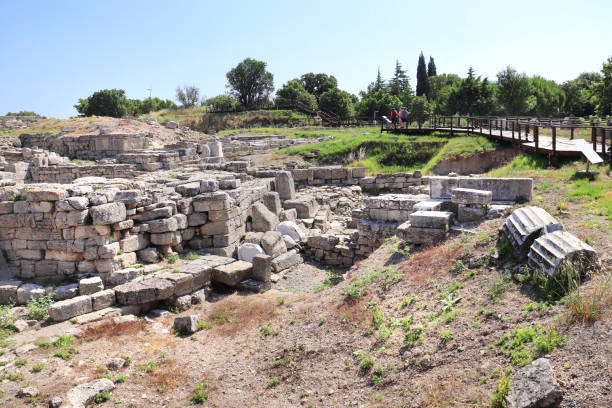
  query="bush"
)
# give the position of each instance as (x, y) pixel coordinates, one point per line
(200, 393)
(106, 102)
(498, 400)
(38, 309)
(337, 102)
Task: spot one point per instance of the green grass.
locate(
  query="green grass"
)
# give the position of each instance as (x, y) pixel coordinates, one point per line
(38, 309)
(273, 382)
(502, 389)
(459, 147)
(524, 345)
(386, 277)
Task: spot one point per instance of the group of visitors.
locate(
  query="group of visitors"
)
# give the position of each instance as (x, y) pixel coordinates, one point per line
(401, 117)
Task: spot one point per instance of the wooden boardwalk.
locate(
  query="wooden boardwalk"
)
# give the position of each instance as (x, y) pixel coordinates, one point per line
(522, 132)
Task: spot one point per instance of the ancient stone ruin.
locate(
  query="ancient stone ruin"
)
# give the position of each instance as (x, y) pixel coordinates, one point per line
(106, 229)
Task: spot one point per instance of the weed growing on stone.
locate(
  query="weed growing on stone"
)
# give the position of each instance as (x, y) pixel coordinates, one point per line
(38, 309)
(191, 256)
(502, 389)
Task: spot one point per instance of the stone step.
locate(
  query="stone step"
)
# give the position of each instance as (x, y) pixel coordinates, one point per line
(431, 204)
(423, 236)
(470, 196)
(554, 251)
(525, 224)
(431, 219)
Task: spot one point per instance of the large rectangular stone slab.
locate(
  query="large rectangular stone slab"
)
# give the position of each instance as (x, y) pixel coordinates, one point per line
(143, 291)
(69, 308)
(232, 274)
(502, 189)
(470, 196)
(431, 219)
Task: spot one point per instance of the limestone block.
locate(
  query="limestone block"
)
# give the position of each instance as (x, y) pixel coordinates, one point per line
(469, 196)
(288, 215)
(535, 386)
(262, 267)
(143, 291)
(84, 394)
(134, 243)
(306, 207)
(103, 299)
(29, 291)
(183, 282)
(87, 286)
(69, 308)
(263, 219)
(247, 251)
(271, 200)
(50, 194)
(195, 219)
(217, 227)
(65, 292)
(148, 255)
(285, 185)
(108, 213)
(72, 204)
(431, 219)
(163, 225)
(291, 228)
(185, 324)
(273, 243)
(109, 250)
(207, 186)
(467, 213)
(286, 260)
(8, 291)
(232, 274)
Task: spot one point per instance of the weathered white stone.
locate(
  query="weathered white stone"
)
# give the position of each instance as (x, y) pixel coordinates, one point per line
(185, 324)
(103, 299)
(108, 213)
(69, 308)
(285, 185)
(84, 394)
(273, 243)
(29, 291)
(291, 228)
(247, 251)
(263, 219)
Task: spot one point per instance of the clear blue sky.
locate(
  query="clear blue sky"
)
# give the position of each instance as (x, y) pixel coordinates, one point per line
(54, 52)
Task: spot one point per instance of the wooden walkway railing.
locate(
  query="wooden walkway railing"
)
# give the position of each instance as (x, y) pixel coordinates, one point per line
(524, 132)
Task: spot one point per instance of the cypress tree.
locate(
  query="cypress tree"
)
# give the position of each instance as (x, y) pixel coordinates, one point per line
(422, 87)
(431, 67)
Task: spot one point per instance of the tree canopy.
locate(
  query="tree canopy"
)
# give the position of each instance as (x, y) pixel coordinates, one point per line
(337, 102)
(250, 83)
(422, 86)
(317, 84)
(292, 93)
(188, 96)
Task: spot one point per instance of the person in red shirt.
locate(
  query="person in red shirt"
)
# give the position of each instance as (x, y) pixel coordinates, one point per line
(394, 116)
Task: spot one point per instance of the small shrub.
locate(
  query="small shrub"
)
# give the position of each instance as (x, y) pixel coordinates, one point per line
(458, 266)
(101, 397)
(407, 301)
(268, 331)
(120, 378)
(21, 362)
(7, 316)
(588, 305)
(172, 259)
(378, 375)
(446, 336)
(498, 287)
(200, 393)
(366, 364)
(37, 368)
(38, 309)
(273, 382)
(502, 389)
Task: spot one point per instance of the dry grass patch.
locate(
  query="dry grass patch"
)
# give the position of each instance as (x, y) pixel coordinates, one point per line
(588, 304)
(167, 376)
(431, 262)
(234, 313)
(109, 329)
(452, 389)
(355, 310)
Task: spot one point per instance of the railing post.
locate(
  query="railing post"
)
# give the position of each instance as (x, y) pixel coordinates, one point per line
(513, 131)
(594, 137)
(536, 137)
(554, 140)
(490, 134)
(572, 133)
(451, 125)
(519, 130)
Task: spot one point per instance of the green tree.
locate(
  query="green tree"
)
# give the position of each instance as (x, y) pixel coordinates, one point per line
(106, 102)
(605, 89)
(422, 86)
(338, 102)
(377, 85)
(22, 113)
(317, 84)
(582, 94)
(188, 96)
(550, 97)
(380, 101)
(420, 110)
(293, 92)
(431, 68)
(515, 92)
(250, 83)
(222, 102)
(440, 90)
(399, 85)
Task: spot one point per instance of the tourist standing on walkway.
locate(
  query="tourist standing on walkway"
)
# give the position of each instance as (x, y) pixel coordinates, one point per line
(394, 116)
(403, 114)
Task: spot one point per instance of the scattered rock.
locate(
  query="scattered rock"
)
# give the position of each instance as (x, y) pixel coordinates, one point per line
(534, 386)
(28, 392)
(185, 324)
(84, 394)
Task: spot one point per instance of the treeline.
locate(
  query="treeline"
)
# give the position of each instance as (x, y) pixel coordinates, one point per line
(113, 102)
(250, 86)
